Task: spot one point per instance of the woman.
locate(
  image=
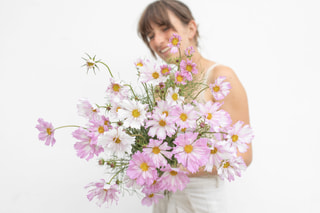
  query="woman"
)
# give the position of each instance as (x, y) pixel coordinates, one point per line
(205, 192)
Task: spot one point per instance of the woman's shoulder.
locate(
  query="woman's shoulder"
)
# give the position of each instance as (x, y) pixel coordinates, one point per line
(216, 70)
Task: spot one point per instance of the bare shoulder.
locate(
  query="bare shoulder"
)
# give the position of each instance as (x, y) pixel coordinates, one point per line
(222, 70)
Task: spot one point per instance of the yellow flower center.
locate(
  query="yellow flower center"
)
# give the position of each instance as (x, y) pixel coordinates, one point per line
(116, 87)
(165, 112)
(226, 165)
(118, 108)
(101, 129)
(116, 140)
(135, 113)
(179, 78)
(175, 41)
(140, 64)
(183, 129)
(155, 75)
(106, 123)
(183, 116)
(189, 68)
(216, 88)
(94, 110)
(105, 190)
(151, 195)
(162, 123)
(156, 150)
(49, 131)
(175, 96)
(144, 166)
(90, 64)
(164, 71)
(234, 138)
(209, 116)
(188, 148)
(173, 173)
(214, 151)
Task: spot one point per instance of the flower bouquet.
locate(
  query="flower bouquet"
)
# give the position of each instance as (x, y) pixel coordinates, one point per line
(149, 142)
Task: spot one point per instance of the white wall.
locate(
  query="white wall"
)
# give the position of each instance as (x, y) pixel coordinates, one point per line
(272, 45)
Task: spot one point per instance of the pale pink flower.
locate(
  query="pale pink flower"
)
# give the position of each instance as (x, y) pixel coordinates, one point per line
(240, 136)
(173, 96)
(161, 126)
(133, 113)
(103, 193)
(220, 89)
(188, 68)
(87, 146)
(185, 116)
(131, 183)
(231, 167)
(46, 132)
(189, 51)
(174, 43)
(140, 62)
(158, 150)
(100, 125)
(154, 187)
(173, 179)
(152, 198)
(116, 91)
(151, 73)
(117, 142)
(180, 78)
(191, 152)
(165, 69)
(164, 107)
(85, 109)
(217, 152)
(142, 169)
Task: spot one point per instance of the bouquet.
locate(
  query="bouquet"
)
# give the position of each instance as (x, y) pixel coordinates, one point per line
(150, 141)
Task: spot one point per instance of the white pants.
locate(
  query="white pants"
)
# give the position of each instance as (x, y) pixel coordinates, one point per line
(202, 195)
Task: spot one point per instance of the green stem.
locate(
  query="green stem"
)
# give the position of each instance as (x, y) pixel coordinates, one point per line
(131, 90)
(60, 127)
(107, 67)
(116, 174)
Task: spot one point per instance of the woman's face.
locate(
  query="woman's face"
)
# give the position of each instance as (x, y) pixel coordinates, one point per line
(160, 35)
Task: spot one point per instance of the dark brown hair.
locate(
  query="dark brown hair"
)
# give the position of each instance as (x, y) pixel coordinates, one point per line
(157, 12)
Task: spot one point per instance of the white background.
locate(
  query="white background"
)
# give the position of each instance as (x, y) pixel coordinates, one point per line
(272, 45)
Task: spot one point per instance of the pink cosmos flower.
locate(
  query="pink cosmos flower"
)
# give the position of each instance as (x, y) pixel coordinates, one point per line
(231, 167)
(117, 142)
(85, 109)
(116, 91)
(217, 152)
(191, 152)
(188, 68)
(151, 73)
(140, 62)
(165, 69)
(189, 51)
(103, 193)
(100, 125)
(46, 132)
(185, 116)
(220, 89)
(87, 146)
(173, 179)
(161, 126)
(180, 78)
(174, 43)
(157, 149)
(164, 107)
(155, 187)
(142, 168)
(240, 136)
(152, 198)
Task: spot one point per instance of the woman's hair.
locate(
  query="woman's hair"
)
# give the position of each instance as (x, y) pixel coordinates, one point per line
(157, 13)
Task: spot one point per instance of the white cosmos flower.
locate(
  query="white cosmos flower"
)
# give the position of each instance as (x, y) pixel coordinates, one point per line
(173, 96)
(133, 113)
(117, 142)
(151, 73)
